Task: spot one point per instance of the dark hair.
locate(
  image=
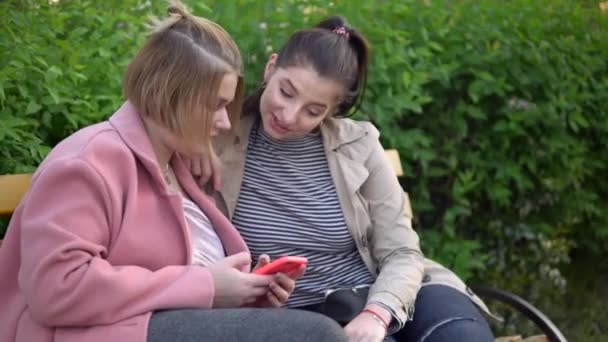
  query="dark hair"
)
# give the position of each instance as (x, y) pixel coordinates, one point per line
(343, 57)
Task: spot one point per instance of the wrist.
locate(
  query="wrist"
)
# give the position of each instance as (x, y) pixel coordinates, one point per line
(376, 317)
(381, 312)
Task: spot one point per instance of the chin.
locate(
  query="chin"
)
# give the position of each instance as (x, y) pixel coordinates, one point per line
(273, 134)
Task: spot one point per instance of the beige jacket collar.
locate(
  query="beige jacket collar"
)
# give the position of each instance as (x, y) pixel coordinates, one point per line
(334, 134)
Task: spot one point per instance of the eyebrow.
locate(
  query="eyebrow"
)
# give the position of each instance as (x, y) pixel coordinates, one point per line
(224, 101)
(289, 83)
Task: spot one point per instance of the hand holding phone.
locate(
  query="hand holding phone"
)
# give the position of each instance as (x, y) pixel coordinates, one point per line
(286, 265)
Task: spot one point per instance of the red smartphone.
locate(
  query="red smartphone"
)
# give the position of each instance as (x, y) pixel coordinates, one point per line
(286, 265)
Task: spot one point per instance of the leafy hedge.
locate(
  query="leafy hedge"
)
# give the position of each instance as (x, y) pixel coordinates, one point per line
(498, 109)
(60, 68)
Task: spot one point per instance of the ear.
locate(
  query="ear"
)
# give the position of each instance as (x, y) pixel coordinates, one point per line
(270, 66)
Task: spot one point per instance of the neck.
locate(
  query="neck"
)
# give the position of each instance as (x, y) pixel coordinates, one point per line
(161, 150)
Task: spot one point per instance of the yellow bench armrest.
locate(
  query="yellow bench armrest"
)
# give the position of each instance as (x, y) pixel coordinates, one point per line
(12, 189)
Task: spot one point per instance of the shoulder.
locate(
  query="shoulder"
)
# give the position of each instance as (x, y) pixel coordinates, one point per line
(363, 125)
(357, 139)
(94, 152)
(349, 129)
(97, 144)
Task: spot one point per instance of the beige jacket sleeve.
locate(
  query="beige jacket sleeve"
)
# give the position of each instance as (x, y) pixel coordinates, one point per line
(394, 245)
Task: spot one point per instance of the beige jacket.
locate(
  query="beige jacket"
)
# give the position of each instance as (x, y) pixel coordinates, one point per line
(376, 210)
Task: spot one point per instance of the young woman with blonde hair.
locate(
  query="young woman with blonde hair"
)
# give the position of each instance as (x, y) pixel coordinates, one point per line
(114, 241)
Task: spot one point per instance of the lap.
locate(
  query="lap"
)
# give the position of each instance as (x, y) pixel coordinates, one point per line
(444, 314)
(243, 324)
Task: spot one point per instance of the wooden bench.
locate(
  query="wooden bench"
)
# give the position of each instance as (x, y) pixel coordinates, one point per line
(13, 187)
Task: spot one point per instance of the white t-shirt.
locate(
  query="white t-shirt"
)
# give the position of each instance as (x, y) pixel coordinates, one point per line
(207, 247)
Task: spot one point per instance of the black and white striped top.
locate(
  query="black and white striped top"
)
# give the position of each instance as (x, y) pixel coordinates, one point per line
(288, 205)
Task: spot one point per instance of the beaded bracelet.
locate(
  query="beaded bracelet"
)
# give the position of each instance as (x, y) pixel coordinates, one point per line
(377, 317)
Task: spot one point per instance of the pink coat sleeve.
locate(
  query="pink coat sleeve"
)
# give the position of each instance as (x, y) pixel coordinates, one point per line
(66, 280)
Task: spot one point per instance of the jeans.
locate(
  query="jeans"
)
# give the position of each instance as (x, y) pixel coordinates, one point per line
(243, 324)
(441, 314)
(444, 314)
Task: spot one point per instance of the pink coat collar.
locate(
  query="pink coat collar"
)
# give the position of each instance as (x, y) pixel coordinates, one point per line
(129, 126)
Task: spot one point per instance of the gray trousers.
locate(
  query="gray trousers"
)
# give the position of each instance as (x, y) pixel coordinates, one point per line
(244, 324)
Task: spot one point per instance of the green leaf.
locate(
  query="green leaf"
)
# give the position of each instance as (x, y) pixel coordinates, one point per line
(32, 107)
(55, 71)
(23, 91)
(53, 93)
(476, 113)
(436, 47)
(41, 61)
(406, 77)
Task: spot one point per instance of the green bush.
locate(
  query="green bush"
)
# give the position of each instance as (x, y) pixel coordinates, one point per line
(61, 67)
(498, 109)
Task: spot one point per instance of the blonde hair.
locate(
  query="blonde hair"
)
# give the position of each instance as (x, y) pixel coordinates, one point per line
(175, 77)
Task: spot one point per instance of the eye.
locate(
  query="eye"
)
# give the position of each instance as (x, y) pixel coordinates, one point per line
(286, 94)
(314, 113)
(222, 104)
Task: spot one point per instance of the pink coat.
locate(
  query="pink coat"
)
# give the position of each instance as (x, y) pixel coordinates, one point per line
(99, 242)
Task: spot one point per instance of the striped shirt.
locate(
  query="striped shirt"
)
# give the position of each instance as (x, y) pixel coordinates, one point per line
(288, 205)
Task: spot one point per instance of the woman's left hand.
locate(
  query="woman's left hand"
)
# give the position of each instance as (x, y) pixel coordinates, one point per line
(281, 288)
(365, 328)
(205, 168)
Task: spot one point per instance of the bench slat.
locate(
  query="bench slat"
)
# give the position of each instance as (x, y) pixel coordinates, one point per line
(393, 157)
(13, 187)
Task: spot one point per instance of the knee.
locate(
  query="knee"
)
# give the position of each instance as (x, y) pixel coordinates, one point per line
(460, 329)
(323, 328)
(331, 331)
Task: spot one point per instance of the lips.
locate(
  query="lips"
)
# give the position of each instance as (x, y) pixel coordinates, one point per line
(277, 127)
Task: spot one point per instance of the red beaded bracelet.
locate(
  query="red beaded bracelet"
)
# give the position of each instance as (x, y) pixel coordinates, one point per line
(375, 314)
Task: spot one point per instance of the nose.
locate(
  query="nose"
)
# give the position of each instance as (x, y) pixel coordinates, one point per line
(221, 120)
(288, 115)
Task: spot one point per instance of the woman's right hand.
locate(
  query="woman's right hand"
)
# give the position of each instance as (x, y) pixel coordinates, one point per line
(234, 288)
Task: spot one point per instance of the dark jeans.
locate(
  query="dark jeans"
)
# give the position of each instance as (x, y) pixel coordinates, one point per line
(245, 324)
(444, 314)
